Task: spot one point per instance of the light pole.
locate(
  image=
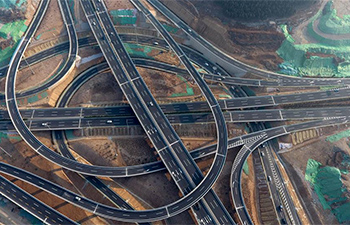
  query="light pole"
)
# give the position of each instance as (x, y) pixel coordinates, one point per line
(24, 58)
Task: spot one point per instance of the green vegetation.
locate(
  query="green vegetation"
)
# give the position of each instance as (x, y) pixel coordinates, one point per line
(170, 29)
(15, 30)
(330, 23)
(261, 9)
(189, 90)
(138, 50)
(329, 189)
(328, 58)
(123, 16)
(246, 167)
(11, 3)
(313, 59)
(338, 136)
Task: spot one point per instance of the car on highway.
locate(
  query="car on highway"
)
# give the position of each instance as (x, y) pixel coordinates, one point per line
(151, 104)
(109, 121)
(269, 178)
(94, 23)
(280, 208)
(77, 198)
(45, 123)
(262, 154)
(155, 43)
(207, 64)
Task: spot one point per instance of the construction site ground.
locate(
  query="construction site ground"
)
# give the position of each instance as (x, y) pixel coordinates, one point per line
(24, 157)
(296, 160)
(254, 43)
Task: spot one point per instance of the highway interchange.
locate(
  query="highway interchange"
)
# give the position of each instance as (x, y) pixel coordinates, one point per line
(144, 110)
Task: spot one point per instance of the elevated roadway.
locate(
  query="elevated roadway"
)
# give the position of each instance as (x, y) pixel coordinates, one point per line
(55, 121)
(30, 204)
(106, 211)
(186, 174)
(229, 62)
(8, 189)
(34, 143)
(249, 147)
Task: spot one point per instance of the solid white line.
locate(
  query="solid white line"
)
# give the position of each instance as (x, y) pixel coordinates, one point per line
(95, 208)
(135, 78)
(6, 152)
(162, 149)
(281, 114)
(32, 114)
(167, 212)
(220, 154)
(225, 104)
(174, 142)
(284, 128)
(38, 148)
(124, 83)
(273, 100)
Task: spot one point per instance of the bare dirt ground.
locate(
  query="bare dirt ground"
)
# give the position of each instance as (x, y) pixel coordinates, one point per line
(252, 43)
(164, 84)
(135, 152)
(51, 26)
(296, 160)
(31, 9)
(99, 89)
(42, 71)
(249, 191)
(219, 92)
(100, 152)
(158, 15)
(118, 4)
(342, 7)
(150, 188)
